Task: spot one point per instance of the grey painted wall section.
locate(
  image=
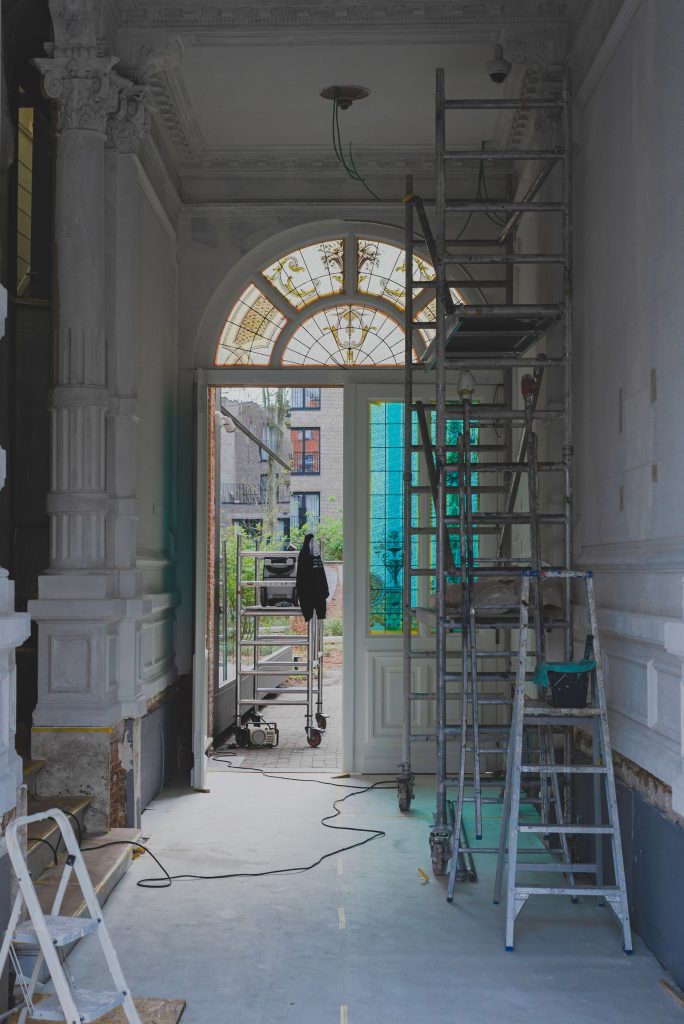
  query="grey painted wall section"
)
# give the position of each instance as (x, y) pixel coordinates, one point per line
(653, 849)
(157, 751)
(653, 846)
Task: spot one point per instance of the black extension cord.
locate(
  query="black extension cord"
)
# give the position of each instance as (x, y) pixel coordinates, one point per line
(166, 880)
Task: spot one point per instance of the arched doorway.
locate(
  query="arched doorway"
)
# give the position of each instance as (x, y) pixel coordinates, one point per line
(328, 312)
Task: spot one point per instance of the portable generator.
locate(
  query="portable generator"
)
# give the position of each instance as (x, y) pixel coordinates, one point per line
(257, 734)
(262, 734)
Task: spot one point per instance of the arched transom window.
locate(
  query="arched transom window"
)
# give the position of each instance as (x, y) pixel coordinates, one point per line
(337, 302)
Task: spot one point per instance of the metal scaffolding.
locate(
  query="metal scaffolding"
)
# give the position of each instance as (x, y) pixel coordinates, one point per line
(487, 404)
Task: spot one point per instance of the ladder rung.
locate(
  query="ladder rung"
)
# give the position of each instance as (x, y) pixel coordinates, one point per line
(63, 930)
(284, 670)
(506, 257)
(518, 467)
(550, 712)
(500, 363)
(90, 1005)
(481, 751)
(477, 155)
(289, 582)
(298, 639)
(572, 830)
(502, 206)
(526, 103)
(500, 782)
(473, 448)
(286, 689)
(566, 890)
(559, 769)
(279, 701)
(478, 849)
(556, 866)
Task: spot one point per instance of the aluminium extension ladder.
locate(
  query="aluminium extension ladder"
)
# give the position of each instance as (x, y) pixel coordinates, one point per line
(528, 713)
(53, 933)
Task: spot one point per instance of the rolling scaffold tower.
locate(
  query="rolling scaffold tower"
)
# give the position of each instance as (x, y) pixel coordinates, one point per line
(487, 496)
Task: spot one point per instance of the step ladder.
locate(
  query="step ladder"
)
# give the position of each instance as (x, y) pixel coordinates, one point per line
(546, 771)
(53, 933)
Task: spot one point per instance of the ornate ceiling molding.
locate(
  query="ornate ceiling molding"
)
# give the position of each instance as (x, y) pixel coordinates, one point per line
(321, 160)
(182, 15)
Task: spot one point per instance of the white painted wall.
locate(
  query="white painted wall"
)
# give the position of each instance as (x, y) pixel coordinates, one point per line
(629, 235)
(157, 362)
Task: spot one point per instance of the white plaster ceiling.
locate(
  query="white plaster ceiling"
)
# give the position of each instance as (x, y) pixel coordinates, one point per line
(237, 82)
(268, 96)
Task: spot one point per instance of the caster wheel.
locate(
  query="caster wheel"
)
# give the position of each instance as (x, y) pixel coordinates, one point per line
(321, 721)
(404, 795)
(314, 737)
(241, 737)
(439, 859)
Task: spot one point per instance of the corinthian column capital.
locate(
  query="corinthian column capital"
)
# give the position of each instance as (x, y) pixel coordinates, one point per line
(129, 125)
(85, 89)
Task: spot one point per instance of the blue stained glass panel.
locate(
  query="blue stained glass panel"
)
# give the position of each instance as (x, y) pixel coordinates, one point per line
(386, 512)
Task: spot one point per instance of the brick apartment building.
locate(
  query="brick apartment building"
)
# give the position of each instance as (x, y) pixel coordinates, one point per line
(313, 444)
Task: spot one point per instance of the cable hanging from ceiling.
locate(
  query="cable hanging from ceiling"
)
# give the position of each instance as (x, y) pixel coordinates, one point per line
(350, 167)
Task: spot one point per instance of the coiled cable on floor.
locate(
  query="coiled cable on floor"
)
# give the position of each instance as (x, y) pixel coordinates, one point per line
(166, 880)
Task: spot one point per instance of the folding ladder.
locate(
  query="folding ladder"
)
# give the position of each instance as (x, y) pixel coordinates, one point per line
(53, 933)
(523, 770)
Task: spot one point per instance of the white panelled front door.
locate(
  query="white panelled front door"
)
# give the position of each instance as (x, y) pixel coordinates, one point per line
(373, 661)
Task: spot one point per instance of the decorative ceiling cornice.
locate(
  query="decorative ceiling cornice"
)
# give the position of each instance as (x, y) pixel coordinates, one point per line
(178, 14)
(321, 160)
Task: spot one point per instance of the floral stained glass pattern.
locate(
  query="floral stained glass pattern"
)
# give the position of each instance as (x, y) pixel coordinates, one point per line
(250, 331)
(381, 270)
(348, 335)
(386, 518)
(310, 273)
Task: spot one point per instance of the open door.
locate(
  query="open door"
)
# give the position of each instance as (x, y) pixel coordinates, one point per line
(200, 660)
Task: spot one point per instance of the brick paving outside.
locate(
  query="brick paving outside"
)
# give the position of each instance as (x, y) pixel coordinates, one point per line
(293, 754)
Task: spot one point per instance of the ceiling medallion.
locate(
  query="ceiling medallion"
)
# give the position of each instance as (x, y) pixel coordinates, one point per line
(344, 95)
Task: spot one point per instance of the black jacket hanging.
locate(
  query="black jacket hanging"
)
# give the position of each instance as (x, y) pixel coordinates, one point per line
(312, 583)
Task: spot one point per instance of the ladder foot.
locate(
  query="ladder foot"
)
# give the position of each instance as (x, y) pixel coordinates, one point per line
(450, 899)
(574, 899)
(509, 949)
(627, 952)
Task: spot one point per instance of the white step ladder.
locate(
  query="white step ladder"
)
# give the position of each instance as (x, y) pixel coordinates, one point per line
(52, 933)
(528, 714)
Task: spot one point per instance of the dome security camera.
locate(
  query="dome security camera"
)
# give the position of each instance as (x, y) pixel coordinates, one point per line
(498, 69)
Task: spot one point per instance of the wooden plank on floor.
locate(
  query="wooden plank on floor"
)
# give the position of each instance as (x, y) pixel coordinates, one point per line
(152, 1011)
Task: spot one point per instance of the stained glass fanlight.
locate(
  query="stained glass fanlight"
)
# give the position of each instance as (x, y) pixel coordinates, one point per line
(309, 273)
(358, 288)
(250, 330)
(349, 335)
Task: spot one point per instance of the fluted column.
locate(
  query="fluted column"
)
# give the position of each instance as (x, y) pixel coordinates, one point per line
(86, 91)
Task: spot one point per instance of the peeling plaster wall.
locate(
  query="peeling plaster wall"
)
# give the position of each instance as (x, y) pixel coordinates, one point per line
(629, 377)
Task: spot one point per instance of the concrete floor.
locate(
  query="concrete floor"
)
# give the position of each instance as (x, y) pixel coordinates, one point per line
(360, 939)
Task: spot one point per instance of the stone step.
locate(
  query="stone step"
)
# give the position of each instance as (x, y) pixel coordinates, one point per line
(44, 836)
(31, 770)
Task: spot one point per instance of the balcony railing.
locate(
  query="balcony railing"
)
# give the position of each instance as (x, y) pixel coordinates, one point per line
(241, 493)
(306, 462)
